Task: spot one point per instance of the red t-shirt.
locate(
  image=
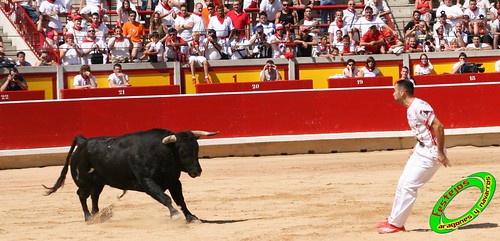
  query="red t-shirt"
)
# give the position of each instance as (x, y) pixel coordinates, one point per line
(240, 21)
(368, 37)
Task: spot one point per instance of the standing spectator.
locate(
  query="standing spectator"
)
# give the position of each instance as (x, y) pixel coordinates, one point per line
(144, 4)
(85, 80)
(13, 81)
(483, 5)
(136, 32)
(223, 25)
(380, 8)
(271, 8)
(286, 16)
(413, 46)
(477, 45)
(338, 25)
(280, 42)
(305, 42)
(260, 43)
(196, 50)
(156, 25)
(495, 26)
(45, 60)
(199, 23)
(100, 28)
(208, 13)
(118, 78)
(270, 72)
(89, 7)
(364, 23)
(239, 46)
(301, 6)
(373, 41)
(494, 10)
(50, 34)
(27, 5)
(473, 13)
(482, 28)
(424, 67)
(268, 27)
(154, 49)
(453, 12)
(350, 70)
(326, 14)
(412, 26)
(240, 19)
(21, 59)
(120, 47)
(70, 20)
(424, 7)
(123, 13)
(52, 9)
(350, 15)
(214, 46)
(310, 22)
(91, 46)
(166, 13)
(370, 69)
(69, 52)
(173, 45)
(184, 25)
(78, 31)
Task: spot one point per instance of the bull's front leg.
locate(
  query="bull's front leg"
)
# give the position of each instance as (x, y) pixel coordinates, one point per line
(155, 191)
(176, 192)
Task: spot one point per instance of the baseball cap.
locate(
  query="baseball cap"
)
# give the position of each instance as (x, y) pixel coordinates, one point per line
(279, 26)
(76, 17)
(304, 28)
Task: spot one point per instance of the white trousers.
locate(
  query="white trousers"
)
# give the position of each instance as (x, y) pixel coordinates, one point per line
(419, 169)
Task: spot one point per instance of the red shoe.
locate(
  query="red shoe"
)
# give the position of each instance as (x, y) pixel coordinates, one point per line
(389, 228)
(207, 80)
(193, 80)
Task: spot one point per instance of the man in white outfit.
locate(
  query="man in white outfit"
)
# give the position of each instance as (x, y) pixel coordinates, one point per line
(426, 157)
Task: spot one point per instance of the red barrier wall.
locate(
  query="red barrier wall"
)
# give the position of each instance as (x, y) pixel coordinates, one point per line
(22, 95)
(55, 123)
(254, 86)
(359, 82)
(121, 91)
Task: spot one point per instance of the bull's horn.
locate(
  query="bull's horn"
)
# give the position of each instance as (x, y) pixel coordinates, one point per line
(204, 133)
(169, 139)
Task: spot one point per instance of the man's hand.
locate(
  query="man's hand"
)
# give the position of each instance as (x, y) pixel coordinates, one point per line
(441, 157)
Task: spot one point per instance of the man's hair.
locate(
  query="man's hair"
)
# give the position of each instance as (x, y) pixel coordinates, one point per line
(407, 86)
(262, 13)
(462, 54)
(269, 62)
(405, 67)
(416, 11)
(19, 53)
(117, 65)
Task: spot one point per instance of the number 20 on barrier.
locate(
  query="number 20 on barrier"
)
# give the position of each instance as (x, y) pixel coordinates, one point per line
(484, 181)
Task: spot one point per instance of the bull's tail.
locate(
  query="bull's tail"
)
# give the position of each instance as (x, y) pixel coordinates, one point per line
(60, 180)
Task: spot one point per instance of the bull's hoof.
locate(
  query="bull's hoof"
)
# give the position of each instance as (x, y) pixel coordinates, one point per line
(175, 215)
(89, 218)
(192, 219)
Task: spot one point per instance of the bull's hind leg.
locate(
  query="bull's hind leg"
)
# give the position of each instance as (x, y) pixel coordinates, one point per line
(155, 191)
(95, 198)
(83, 194)
(176, 191)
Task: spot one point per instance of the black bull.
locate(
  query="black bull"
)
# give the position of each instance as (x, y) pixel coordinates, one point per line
(149, 161)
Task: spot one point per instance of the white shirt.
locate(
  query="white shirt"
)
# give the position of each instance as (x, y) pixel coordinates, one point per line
(121, 49)
(210, 52)
(333, 28)
(221, 29)
(278, 48)
(420, 70)
(79, 35)
(158, 46)
(185, 34)
(420, 117)
(80, 81)
(241, 46)
(47, 7)
(199, 24)
(71, 57)
(85, 46)
(452, 11)
(167, 20)
(119, 81)
(354, 72)
(497, 66)
(364, 24)
(350, 18)
(473, 14)
(271, 9)
(367, 73)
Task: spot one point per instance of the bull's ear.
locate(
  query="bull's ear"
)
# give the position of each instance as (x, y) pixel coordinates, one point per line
(204, 133)
(169, 139)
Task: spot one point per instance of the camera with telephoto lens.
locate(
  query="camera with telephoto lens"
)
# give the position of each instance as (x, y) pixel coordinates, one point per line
(472, 68)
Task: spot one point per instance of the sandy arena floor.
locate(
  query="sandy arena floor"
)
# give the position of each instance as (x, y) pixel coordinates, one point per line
(300, 197)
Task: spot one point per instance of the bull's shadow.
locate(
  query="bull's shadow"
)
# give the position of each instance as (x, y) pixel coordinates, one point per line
(226, 221)
(470, 226)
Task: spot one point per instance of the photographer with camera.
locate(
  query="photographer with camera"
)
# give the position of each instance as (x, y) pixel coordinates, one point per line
(45, 60)
(260, 43)
(13, 81)
(270, 72)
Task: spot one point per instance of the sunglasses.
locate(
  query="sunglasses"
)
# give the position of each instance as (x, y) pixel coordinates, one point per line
(91, 31)
(285, 5)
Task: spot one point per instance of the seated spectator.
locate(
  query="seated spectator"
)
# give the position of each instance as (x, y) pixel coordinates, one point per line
(92, 46)
(473, 14)
(392, 43)
(304, 42)
(482, 28)
(405, 74)
(454, 46)
(6, 62)
(412, 26)
(270, 7)
(173, 45)
(338, 25)
(101, 30)
(123, 13)
(363, 24)
(196, 50)
(350, 70)
(413, 46)
(50, 34)
(78, 30)
(118, 78)
(268, 28)
(373, 41)
(493, 12)
(495, 27)
(136, 32)
(154, 49)
(280, 43)
(156, 25)
(338, 39)
(323, 49)
(69, 52)
(120, 47)
(424, 67)
(424, 7)
(483, 6)
(13, 81)
(477, 45)
(370, 69)
(52, 9)
(497, 66)
(441, 39)
(260, 43)
(21, 59)
(270, 72)
(423, 32)
(348, 47)
(45, 60)
(85, 80)
(443, 21)
(239, 46)
(214, 47)
(429, 45)
(380, 8)
(457, 67)
(453, 12)
(460, 34)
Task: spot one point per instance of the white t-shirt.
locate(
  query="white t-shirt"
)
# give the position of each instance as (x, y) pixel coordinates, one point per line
(119, 81)
(167, 20)
(199, 24)
(497, 66)
(271, 9)
(368, 73)
(221, 29)
(47, 7)
(423, 70)
(71, 57)
(185, 34)
(333, 28)
(158, 46)
(364, 24)
(80, 81)
(85, 46)
(242, 47)
(121, 49)
(452, 11)
(420, 117)
(350, 18)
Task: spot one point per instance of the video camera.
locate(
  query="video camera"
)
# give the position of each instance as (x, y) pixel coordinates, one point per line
(472, 68)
